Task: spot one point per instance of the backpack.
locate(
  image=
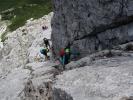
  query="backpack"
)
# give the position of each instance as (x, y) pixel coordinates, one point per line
(62, 52)
(67, 50)
(43, 51)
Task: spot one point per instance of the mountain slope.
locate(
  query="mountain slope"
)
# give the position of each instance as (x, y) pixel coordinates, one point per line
(18, 11)
(21, 61)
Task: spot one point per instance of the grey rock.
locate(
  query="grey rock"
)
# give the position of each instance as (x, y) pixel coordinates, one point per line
(91, 25)
(20, 62)
(58, 94)
(105, 79)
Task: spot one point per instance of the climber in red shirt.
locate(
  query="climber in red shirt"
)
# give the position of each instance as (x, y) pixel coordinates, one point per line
(62, 56)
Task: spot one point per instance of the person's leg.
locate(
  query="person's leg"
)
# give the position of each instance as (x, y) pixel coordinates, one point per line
(46, 56)
(49, 45)
(64, 59)
(61, 60)
(46, 45)
(69, 56)
(67, 59)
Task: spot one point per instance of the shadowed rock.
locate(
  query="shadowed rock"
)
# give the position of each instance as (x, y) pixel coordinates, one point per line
(91, 25)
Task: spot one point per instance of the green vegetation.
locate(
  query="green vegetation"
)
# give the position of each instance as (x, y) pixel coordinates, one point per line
(3, 37)
(22, 10)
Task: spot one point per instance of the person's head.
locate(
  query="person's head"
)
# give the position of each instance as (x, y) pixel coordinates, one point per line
(45, 39)
(67, 50)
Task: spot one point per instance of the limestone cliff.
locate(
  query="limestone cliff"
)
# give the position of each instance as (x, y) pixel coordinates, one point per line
(91, 25)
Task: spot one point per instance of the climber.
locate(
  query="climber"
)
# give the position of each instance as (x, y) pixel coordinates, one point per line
(62, 56)
(44, 51)
(44, 27)
(46, 42)
(67, 55)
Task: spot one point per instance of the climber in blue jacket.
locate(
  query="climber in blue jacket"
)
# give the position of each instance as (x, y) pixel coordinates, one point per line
(44, 51)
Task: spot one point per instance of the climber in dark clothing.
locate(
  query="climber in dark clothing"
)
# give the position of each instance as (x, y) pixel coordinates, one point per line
(46, 42)
(67, 55)
(44, 27)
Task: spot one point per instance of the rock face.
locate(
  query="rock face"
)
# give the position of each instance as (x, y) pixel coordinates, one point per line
(23, 72)
(24, 75)
(91, 25)
(23, 45)
(103, 79)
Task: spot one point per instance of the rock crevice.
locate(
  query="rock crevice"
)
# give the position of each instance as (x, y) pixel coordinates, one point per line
(91, 25)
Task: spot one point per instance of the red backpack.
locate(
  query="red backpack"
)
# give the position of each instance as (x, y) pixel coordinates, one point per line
(62, 52)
